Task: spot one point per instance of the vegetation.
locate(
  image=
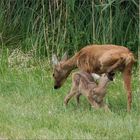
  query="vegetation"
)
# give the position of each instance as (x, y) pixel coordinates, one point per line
(30, 31)
(31, 109)
(58, 25)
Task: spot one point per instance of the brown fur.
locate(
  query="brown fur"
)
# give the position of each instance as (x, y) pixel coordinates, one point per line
(83, 83)
(98, 59)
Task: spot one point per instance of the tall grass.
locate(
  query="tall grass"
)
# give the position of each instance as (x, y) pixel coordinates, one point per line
(59, 25)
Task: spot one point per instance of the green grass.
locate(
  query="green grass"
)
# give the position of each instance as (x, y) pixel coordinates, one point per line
(31, 109)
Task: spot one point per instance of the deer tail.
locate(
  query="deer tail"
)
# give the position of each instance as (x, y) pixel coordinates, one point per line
(129, 58)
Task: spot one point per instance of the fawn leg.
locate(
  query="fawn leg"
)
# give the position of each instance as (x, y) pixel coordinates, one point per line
(72, 92)
(92, 102)
(104, 106)
(74, 89)
(78, 98)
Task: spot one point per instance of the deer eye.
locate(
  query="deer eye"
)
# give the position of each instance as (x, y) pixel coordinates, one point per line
(53, 74)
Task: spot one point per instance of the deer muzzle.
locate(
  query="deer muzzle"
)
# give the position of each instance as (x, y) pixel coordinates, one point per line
(56, 87)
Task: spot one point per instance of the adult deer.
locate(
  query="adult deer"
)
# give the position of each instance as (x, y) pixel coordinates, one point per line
(97, 59)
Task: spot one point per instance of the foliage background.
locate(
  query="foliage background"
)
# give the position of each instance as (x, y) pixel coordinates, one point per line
(48, 26)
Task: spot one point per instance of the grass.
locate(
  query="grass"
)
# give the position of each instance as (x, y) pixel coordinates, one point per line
(31, 109)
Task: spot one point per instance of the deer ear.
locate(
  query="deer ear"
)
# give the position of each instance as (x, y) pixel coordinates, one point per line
(54, 60)
(64, 57)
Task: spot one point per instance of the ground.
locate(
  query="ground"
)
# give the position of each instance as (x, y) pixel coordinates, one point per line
(30, 108)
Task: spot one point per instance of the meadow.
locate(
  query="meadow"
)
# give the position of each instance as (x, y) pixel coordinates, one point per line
(31, 109)
(30, 32)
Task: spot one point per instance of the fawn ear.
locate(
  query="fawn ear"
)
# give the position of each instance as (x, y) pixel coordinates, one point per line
(64, 57)
(54, 60)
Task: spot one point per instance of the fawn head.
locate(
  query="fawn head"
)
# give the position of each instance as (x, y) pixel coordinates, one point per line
(59, 72)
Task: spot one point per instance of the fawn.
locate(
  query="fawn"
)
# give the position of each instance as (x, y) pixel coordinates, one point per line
(83, 83)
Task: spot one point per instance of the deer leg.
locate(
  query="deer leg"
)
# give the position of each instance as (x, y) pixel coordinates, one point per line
(127, 84)
(100, 102)
(72, 92)
(104, 106)
(92, 102)
(114, 66)
(78, 98)
(74, 89)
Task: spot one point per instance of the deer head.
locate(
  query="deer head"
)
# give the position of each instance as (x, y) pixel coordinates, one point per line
(60, 73)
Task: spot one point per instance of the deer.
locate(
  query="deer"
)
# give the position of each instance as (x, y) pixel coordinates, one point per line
(97, 59)
(83, 83)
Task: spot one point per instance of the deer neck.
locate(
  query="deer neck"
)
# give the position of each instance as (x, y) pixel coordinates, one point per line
(69, 64)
